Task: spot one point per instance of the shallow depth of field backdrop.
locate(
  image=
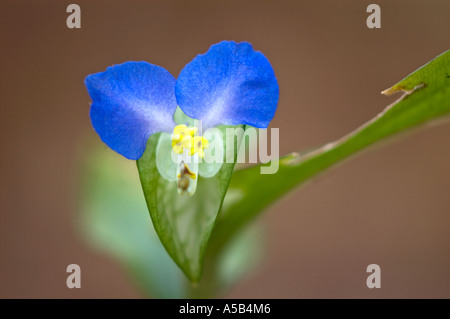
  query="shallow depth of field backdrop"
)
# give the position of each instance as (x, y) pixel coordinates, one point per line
(389, 206)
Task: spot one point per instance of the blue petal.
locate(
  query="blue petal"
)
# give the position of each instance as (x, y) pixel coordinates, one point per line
(131, 101)
(230, 84)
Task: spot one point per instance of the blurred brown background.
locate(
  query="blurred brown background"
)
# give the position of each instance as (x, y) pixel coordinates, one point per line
(389, 206)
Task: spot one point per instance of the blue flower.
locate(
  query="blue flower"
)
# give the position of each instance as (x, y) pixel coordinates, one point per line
(230, 84)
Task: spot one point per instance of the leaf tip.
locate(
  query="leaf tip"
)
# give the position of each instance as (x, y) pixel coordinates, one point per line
(401, 88)
(389, 91)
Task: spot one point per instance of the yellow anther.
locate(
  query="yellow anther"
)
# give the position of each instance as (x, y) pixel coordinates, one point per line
(198, 145)
(182, 130)
(183, 143)
(183, 138)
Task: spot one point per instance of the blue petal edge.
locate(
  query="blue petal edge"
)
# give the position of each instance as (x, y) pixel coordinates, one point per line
(230, 84)
(131, 101)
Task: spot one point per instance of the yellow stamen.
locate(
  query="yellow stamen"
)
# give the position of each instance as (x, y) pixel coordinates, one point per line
(183, 138)
(198, 145)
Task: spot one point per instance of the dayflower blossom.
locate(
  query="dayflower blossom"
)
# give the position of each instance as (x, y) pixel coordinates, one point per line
(231, 84)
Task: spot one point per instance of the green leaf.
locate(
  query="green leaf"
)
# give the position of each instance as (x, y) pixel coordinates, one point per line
(426, 98)
(183, 223)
